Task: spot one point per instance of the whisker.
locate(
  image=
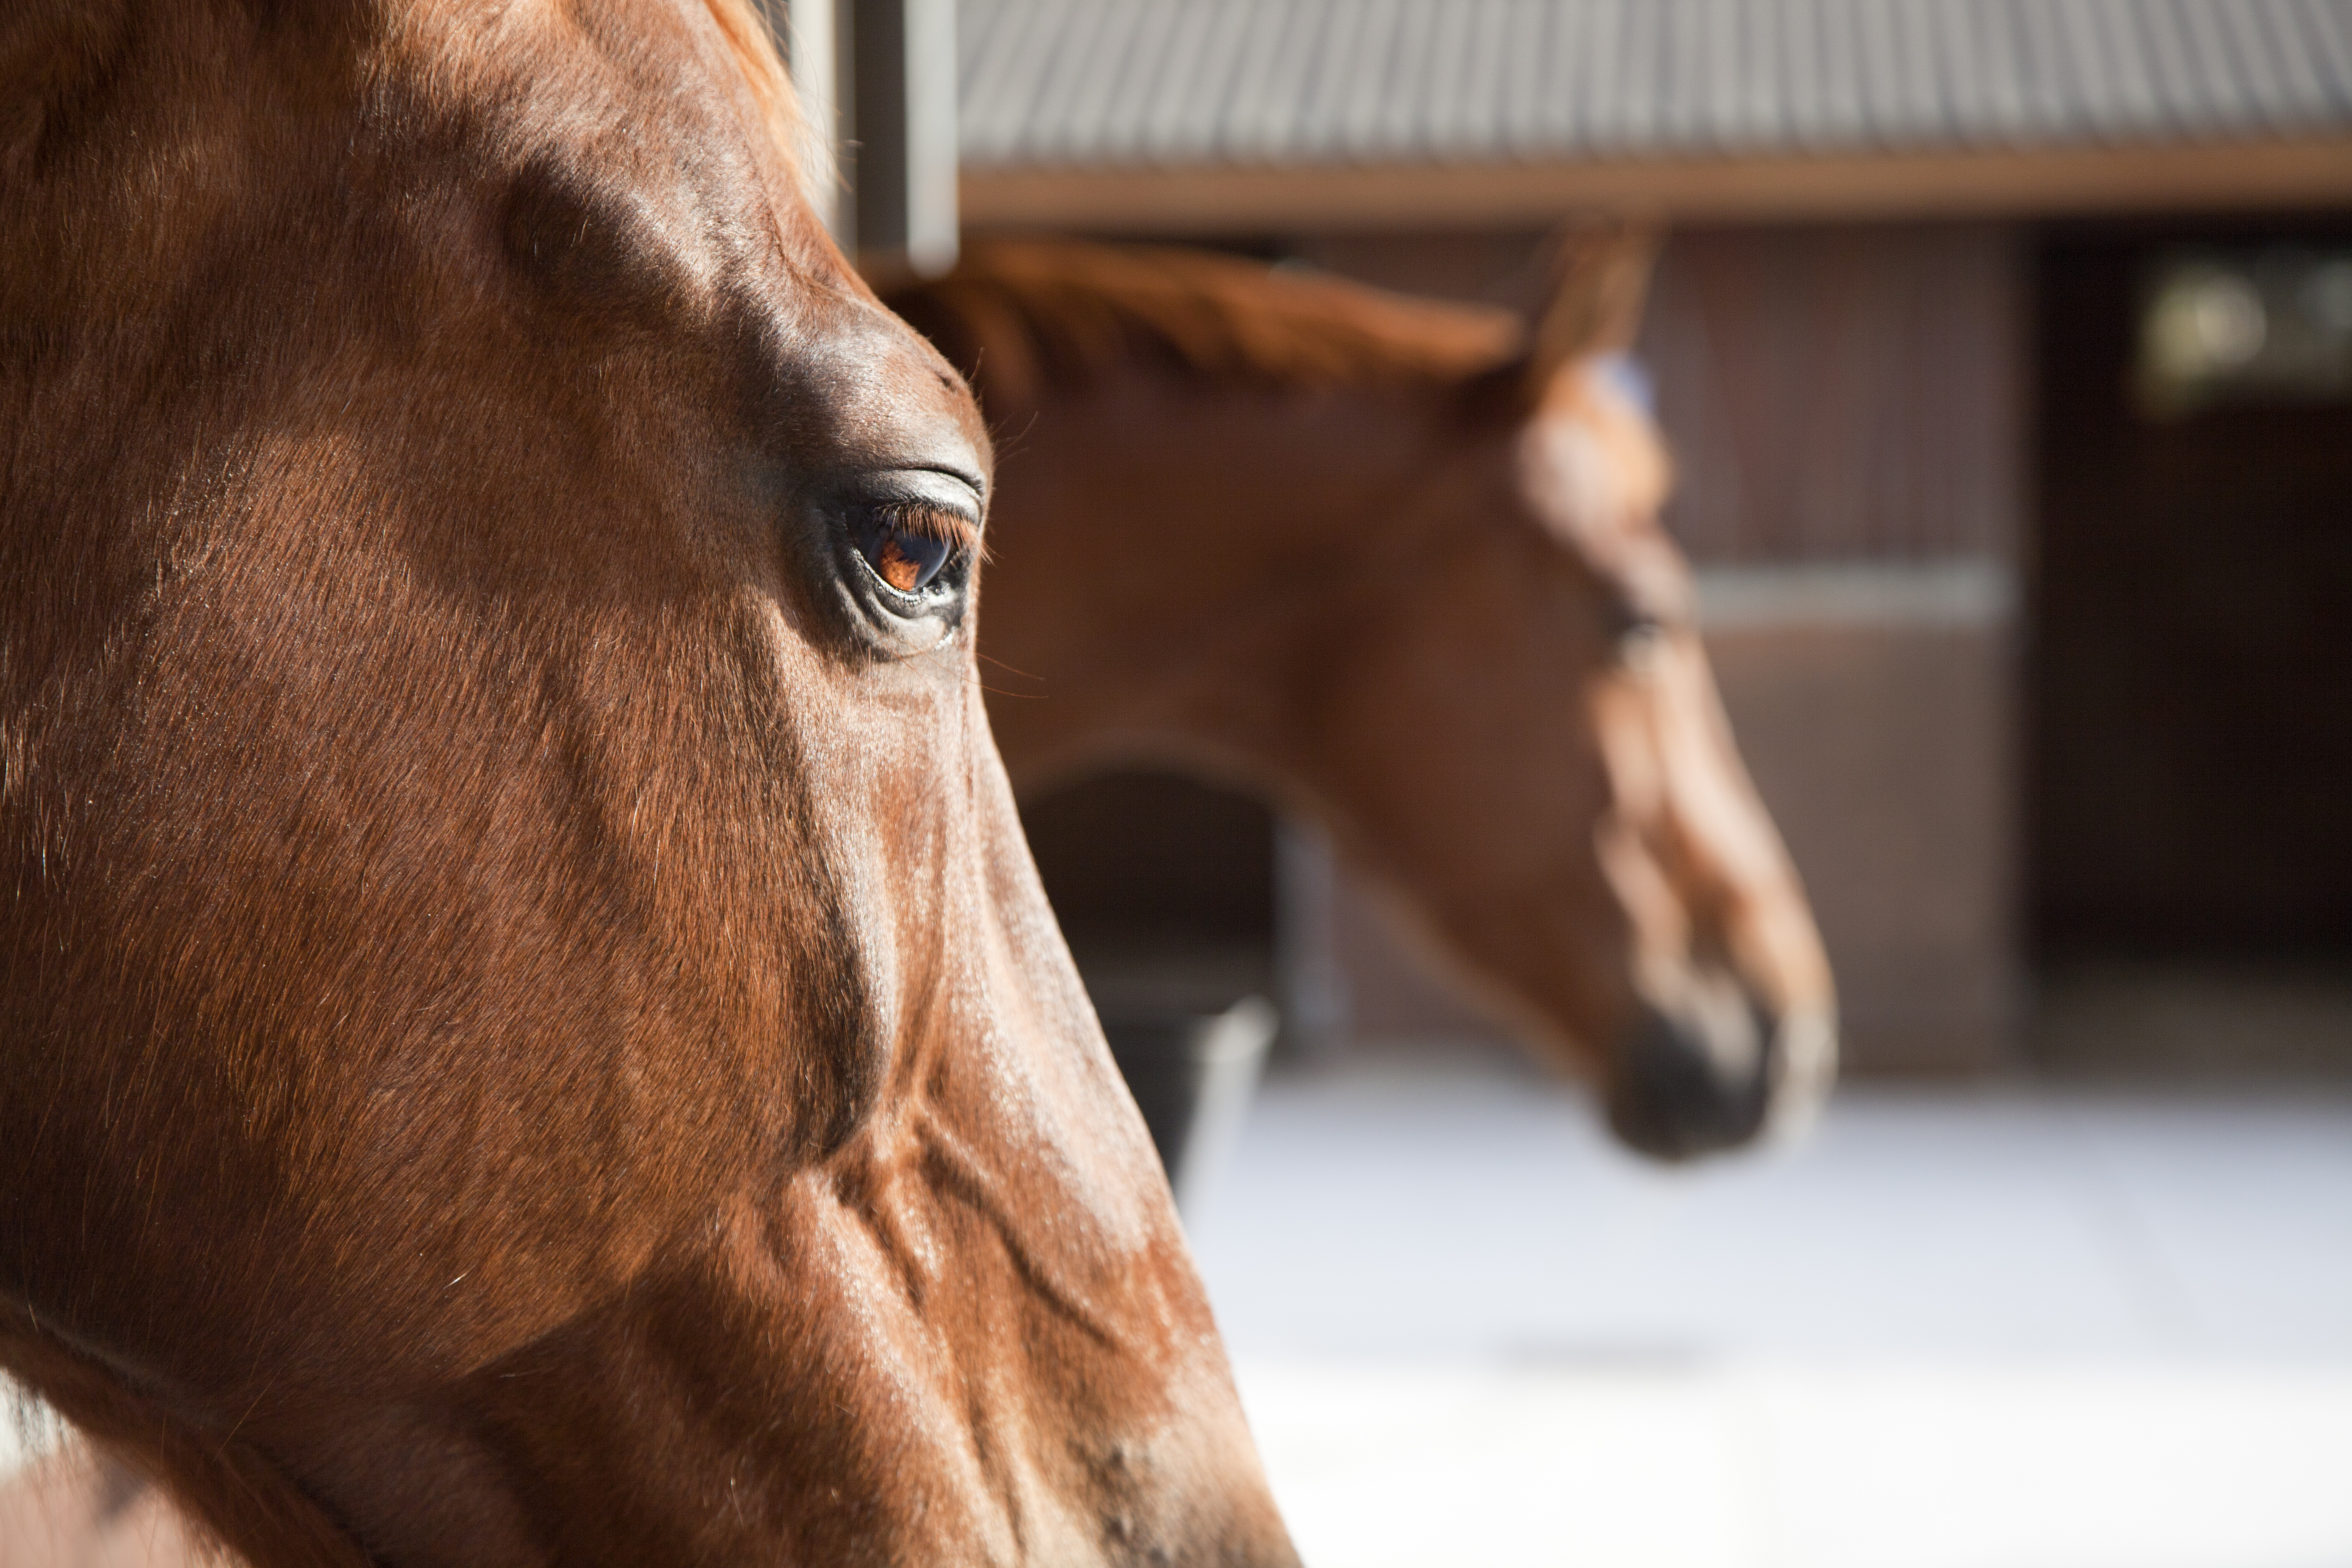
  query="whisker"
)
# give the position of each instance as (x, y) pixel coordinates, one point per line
(1009, 444)
(948, 641)
(1017, 696)
(1015, 669)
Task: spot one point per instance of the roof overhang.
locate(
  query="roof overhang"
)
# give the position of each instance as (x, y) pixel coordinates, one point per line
(2024, 182)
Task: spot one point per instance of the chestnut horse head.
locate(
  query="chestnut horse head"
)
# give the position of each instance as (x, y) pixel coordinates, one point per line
(531, 1034)
(1400, 565)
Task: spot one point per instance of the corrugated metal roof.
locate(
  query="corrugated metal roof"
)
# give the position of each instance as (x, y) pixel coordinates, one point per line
(1112, 83)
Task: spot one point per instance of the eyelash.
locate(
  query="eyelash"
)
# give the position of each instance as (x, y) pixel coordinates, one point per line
(908, 545)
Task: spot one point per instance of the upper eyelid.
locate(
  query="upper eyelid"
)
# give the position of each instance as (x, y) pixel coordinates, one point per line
(1640, 595)
(941, 489)
(1631, 613)
(969, 481)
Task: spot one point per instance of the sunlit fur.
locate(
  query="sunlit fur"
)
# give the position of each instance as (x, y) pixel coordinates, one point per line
(528, 1032)
(1397, 564)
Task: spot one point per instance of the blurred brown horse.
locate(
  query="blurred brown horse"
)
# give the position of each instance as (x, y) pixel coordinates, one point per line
(528, 1032)
(1398, 565)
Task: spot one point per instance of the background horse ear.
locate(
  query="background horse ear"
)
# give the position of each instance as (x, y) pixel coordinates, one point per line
(1600, 279)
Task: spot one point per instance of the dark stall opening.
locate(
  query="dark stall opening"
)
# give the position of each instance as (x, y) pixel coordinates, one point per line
(1165, 889)
(2189, 781)
(1152, 870)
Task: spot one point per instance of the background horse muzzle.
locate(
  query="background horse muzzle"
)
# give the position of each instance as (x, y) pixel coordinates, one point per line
(1711, 1067)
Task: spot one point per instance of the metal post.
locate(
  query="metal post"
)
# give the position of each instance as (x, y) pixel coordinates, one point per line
(880, 75)
(903, 53)
(1311, 981)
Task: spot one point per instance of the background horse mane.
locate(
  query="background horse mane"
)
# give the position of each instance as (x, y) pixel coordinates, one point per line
(1026, 319)
(1033, 317)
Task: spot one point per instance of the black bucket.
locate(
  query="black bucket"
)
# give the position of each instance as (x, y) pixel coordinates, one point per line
(1192, 1075)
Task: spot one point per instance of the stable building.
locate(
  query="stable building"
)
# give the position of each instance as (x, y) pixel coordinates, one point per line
(2005, 351)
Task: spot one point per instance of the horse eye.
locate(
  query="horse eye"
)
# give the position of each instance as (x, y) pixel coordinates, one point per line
(908, 546)
(1640, 643)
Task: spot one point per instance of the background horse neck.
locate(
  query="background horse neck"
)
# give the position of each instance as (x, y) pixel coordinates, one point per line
(1241, 523)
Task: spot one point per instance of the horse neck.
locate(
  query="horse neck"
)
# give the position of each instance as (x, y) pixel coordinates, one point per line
(1152, 537)
(1243, 497)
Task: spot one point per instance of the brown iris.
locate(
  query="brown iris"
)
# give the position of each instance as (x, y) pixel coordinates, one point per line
(899, 569)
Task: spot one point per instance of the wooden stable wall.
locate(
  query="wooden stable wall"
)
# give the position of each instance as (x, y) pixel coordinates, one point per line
(1840, 395)
(1846, 406)
(1831, 393)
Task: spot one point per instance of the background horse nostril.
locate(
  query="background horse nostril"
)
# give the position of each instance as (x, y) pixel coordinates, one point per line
(1695, 1080)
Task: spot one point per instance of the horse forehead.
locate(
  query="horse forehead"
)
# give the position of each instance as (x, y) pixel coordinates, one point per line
(669, 62)
(634, 156)
(1593, 474)
(634, 119)
(1590, 465)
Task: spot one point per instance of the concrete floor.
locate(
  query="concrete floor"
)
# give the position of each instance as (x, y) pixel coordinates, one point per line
(1982, 1328)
